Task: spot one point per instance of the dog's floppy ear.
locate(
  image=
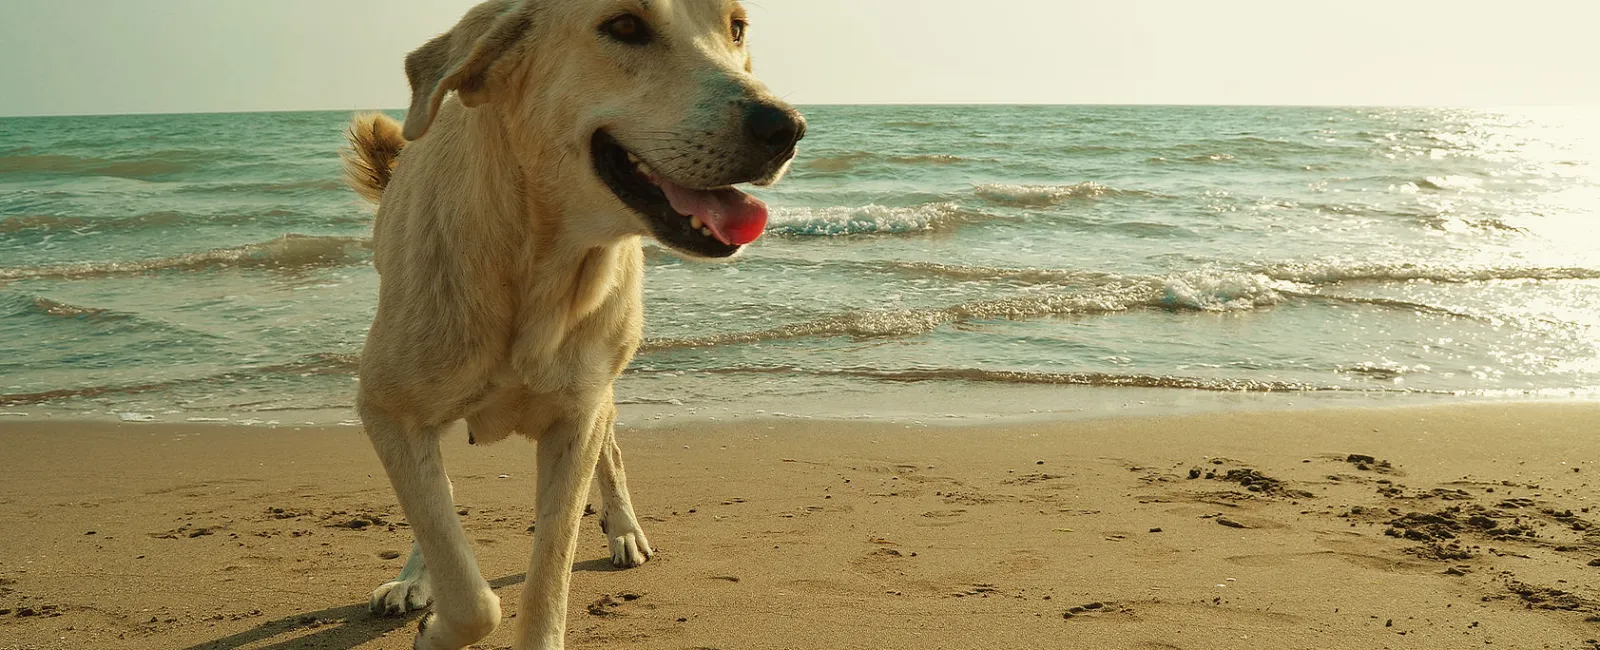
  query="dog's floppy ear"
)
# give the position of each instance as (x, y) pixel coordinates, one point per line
(461, 60)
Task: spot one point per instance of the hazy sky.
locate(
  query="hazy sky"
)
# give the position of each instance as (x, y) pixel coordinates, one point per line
(122, 56)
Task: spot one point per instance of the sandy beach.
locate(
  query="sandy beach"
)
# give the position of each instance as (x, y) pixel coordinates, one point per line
(1412, 527)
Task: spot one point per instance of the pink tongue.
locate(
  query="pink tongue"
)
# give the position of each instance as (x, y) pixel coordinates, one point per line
(734, 217)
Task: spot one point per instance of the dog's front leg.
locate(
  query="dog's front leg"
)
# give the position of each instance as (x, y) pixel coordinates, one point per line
(465, 610)
(568, 451)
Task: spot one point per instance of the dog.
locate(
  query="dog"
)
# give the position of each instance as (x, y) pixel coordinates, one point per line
(545, 140)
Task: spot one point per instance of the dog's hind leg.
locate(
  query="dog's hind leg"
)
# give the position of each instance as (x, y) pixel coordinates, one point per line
(408, 593)
(629, 548)
(568, 451)
(465, 610)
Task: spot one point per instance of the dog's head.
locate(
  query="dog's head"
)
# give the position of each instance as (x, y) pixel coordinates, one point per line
(655, 97)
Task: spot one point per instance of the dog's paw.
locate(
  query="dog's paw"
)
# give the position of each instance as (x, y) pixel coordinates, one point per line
(401, 597)
(630, 550)
(629, 547)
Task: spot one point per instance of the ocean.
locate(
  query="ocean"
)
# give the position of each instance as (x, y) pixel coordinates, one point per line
(922, 262)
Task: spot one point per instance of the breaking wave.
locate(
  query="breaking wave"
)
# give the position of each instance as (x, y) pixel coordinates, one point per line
(1108, 380)
(1091, 293)
(47, 307)
(322, 363)
(868, 220)
(1192, 292)
(1282, 277)
(46, 224)
(1389, 303)
(1447, 183)
(58, 223)
(1334, 272)
(964, 273)
(1044, 196)
(286, 252)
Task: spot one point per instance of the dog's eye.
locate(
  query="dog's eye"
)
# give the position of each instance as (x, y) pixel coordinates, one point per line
(738, 31)
(627, 28)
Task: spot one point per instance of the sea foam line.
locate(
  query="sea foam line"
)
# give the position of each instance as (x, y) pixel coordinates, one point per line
(1195, 292)
(288, 251)
(1108, 380)
(1041, 196)
(327, 363)
(867, 220)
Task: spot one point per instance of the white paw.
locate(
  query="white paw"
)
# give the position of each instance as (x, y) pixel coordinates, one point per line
(401, 597)
(629, 547)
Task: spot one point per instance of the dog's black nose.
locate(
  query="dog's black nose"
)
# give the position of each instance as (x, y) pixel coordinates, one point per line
(776, 127)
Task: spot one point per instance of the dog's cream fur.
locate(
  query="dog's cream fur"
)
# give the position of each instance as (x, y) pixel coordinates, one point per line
(511, 274)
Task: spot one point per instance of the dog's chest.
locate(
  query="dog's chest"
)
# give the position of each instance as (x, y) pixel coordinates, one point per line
(569, 382)
(570, 343)
(575, 335)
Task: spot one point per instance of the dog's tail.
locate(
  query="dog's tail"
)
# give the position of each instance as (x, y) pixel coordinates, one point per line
(375, 144)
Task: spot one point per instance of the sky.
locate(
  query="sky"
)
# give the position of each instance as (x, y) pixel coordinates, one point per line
(178, 56)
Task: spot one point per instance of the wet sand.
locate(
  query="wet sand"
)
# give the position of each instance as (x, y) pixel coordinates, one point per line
(1417, 527)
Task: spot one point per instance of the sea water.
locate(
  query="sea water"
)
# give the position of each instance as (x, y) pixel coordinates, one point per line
(214, 266)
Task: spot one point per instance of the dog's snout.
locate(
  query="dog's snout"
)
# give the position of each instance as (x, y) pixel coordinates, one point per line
(778, 128)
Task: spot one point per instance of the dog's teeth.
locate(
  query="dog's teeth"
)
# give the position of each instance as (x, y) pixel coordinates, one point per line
(634, 159)
(695, 223)
(705, 231)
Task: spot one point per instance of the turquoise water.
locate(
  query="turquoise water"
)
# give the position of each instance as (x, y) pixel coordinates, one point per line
(196, 265)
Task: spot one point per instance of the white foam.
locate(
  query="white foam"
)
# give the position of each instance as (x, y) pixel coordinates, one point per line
(1039, 196)
(1330, 272)
(1452, 182)
(866, 220)
(288, 251)
(1218, 292)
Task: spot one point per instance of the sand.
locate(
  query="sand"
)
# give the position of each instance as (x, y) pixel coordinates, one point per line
(1452, 527)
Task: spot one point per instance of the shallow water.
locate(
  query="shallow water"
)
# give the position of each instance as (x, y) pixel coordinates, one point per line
(196, 265)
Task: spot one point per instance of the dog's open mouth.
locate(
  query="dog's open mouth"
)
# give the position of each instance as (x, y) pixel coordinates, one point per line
(714, 222)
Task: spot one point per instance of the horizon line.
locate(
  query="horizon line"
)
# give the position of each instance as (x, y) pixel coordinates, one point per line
(998, 104)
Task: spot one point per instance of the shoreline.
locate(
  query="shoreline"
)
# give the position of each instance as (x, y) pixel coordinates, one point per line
(942, 403)
(849, 534)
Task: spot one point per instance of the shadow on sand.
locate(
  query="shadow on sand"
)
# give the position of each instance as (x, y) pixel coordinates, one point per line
(339, 628)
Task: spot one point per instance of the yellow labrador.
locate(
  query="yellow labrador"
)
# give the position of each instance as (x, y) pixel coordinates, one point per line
(509, 245)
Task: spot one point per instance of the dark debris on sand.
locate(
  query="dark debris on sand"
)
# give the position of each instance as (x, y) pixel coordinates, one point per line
(607, 605)
(1454, 529)
(1367, 463)
(1446, 525)
(1095, 608)
(1536, 597)
(1253, 481)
